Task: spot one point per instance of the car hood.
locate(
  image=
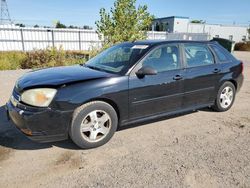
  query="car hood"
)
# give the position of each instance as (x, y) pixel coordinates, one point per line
(57, 76)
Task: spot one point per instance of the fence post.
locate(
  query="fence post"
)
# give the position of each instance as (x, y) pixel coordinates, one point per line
(21, 30)
(53, 41)
(79, 36)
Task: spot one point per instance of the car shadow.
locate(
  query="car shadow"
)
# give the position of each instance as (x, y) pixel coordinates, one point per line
(11, 137)
(207, 110)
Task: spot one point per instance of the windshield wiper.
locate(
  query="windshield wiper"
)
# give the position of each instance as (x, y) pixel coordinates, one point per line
(93, 67)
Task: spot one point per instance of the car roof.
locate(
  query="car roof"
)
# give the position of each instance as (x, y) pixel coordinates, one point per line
(159, 42)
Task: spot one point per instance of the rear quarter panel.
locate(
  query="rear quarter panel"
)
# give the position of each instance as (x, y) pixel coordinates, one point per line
(231, 71)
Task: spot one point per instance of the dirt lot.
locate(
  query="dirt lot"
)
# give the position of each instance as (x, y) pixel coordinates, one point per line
(199, 149)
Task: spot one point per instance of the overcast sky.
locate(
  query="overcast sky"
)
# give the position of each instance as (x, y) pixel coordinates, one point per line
(86, 12)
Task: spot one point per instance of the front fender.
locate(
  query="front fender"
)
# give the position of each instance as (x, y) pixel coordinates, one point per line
(113, 89)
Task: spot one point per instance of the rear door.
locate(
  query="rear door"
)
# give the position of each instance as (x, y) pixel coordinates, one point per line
(161, 93)
(201, 75)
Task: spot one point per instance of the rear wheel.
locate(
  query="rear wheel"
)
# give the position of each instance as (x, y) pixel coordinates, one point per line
(93, 124)
(225, 97)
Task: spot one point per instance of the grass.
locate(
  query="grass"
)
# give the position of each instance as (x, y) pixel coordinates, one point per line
(49, 57)
(11, 60)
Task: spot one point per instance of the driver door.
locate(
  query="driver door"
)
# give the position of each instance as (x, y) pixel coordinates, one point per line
(160, 93)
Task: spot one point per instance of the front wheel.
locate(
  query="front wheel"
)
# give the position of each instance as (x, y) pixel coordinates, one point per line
(225, 97)
(93, 124)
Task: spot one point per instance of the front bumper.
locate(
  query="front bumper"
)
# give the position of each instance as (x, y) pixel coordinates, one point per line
(40, 124)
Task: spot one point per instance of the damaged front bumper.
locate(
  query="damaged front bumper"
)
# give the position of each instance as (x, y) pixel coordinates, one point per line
(39, 124)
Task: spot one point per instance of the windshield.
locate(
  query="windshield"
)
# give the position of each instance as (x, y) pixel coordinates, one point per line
(118, 59)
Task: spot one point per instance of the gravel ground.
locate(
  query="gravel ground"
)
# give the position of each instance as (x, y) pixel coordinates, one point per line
(199, 149)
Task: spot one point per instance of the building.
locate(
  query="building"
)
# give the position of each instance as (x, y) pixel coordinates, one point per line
(179, 24)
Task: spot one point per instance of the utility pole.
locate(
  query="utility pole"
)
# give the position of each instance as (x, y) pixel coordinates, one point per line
(5, 15)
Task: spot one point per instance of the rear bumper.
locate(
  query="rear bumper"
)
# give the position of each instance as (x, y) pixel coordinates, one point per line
(41, 125)
(239, 81)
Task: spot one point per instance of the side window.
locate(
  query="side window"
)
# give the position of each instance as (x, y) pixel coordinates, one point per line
(220, 54)
(163, 59)
(198, 55)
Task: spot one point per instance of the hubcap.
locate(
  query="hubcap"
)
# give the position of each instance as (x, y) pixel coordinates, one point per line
(95, 126)
(226, 97)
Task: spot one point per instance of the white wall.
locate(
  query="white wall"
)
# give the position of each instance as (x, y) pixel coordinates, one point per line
(183, 25)
(223, 31)
(180, 25)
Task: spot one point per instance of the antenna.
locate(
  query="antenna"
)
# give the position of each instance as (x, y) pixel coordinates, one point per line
(5, 15)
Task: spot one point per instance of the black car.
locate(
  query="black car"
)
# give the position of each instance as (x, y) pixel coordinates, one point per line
(127, 83)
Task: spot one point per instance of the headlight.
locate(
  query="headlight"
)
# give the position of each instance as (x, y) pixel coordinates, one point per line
(38, 97)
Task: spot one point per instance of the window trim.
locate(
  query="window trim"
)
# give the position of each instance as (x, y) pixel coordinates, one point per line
(185, 58)
(138, 65)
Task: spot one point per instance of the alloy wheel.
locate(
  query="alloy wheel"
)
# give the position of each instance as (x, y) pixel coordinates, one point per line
(226, 97)
(95, 126)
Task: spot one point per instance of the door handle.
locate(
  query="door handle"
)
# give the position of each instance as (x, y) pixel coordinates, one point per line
(216, 70)
(177, 77)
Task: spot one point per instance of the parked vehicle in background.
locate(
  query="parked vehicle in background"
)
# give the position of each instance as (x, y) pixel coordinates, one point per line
(127, 83)
(227, 44)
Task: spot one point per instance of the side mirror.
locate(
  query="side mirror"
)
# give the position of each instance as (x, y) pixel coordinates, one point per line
(147, 70)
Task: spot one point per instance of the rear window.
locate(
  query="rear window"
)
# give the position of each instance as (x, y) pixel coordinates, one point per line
(220, 54)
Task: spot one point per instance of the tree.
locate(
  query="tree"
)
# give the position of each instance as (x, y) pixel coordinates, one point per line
(20, 25)
(124, 22)
(87, 27)
(73, 27)
(60, 25)
(36, 26)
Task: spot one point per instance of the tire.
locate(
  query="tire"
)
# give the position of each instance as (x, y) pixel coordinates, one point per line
(93, 124)
(220, 104)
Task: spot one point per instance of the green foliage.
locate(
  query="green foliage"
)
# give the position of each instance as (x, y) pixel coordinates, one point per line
(72, 27)
(11, 60)
(41, 58)
(87, 27)
(124, 22)
(95, 51)
(20, 25)
(60, 25)
(51, 57)
(242, 46)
